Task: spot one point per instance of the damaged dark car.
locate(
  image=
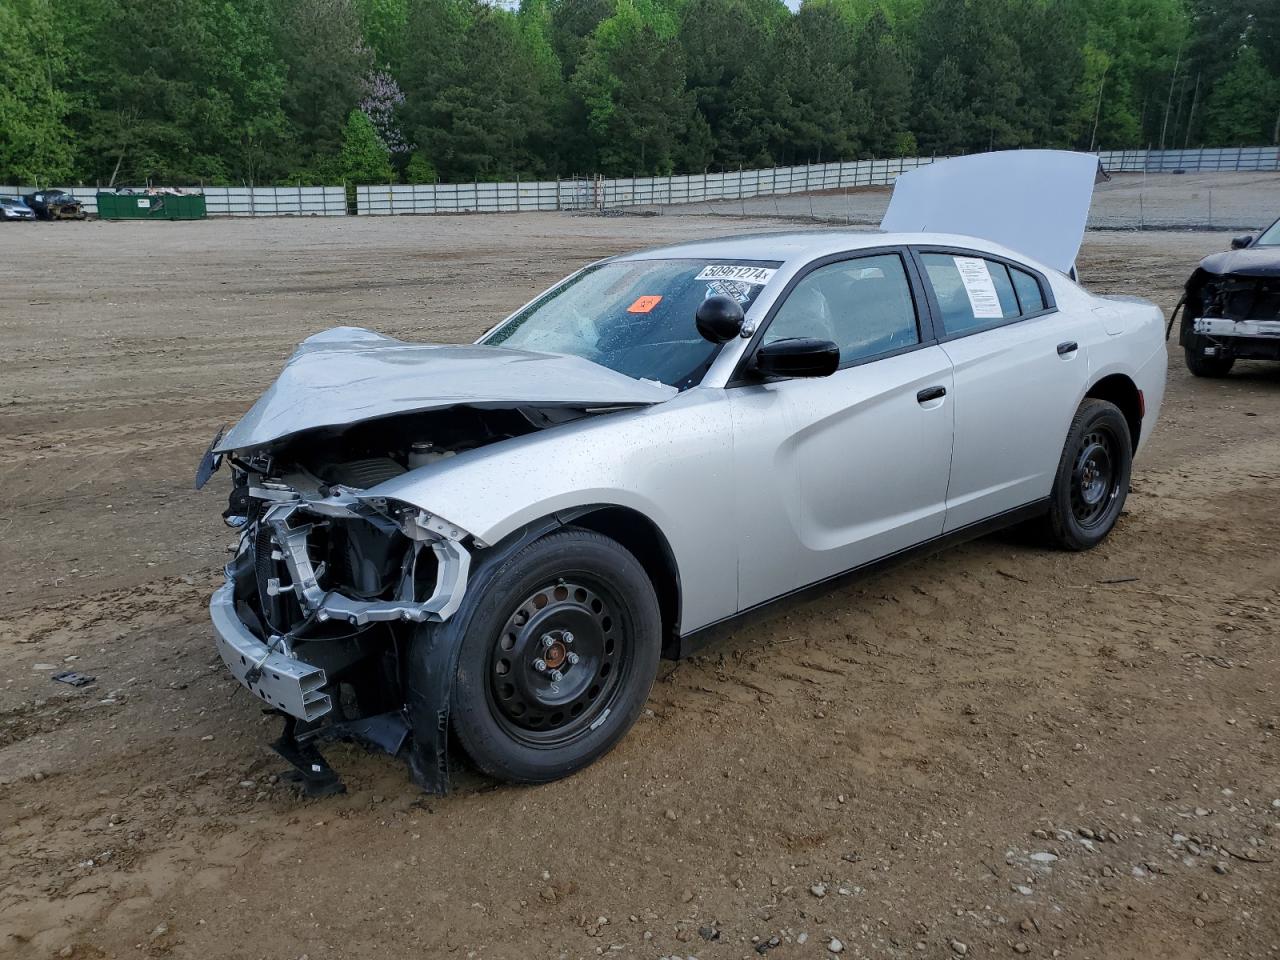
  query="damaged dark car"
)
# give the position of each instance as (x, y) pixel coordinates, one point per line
(1231, 309)
(55, 205)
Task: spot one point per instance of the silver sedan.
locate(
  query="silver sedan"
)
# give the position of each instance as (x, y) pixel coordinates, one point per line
(502, 539)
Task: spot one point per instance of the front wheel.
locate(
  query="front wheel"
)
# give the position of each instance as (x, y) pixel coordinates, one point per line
(1203, 366)
(558, 660)
(1092, 481)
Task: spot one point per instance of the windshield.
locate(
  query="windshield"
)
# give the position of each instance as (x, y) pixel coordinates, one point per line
(1270, 237)
(635, 316)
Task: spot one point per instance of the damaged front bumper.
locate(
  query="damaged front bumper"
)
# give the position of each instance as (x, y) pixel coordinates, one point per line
(292, 686)
(1226, 327)
(288, 627)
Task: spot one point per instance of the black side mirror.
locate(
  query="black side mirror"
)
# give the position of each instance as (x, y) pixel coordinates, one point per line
(1239, 243)
(799, 357)
(719, 319)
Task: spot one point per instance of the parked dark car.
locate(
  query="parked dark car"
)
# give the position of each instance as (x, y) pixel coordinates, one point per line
(55, 205)
(1231, 309)
(12, 208)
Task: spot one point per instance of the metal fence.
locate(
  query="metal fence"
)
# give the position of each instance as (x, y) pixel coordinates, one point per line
(511, 197)
(1233, 159)
(238, 201)
(599, 193)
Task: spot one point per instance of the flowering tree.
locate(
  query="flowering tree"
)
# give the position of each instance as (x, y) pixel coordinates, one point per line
(382, 97)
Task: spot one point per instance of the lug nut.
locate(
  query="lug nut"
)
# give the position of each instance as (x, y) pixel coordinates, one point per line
(566, 636)
(548, 641)
(540, 665)
(556, 676)
(572, 658)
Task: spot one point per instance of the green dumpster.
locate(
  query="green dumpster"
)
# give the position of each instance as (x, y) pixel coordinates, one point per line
(125, 206)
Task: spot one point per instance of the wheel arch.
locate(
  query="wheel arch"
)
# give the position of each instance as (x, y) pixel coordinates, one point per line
(431, 654)
(1119, 389)
(645, 541)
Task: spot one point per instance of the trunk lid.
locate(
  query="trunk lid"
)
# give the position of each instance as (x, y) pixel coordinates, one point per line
(1032, 201)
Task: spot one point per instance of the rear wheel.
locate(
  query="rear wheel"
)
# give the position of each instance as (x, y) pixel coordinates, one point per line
(1092, 481)
(1202, 366)
(558, 661)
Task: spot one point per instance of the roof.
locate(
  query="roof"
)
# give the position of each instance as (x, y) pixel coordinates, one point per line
(1035, 202)
(801, 246)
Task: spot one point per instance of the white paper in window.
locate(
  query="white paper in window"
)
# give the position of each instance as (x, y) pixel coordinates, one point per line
(979, 286)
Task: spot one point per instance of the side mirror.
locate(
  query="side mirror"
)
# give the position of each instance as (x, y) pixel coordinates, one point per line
(1239, 243)
(719, 319)
(800, 357)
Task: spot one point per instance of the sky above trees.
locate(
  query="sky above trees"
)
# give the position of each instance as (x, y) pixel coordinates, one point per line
(265, 91)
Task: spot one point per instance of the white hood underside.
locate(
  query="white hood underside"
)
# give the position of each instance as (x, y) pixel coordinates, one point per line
(1033, 201)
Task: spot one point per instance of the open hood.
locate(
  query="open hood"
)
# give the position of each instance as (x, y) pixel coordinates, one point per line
(347, 375)
(1033, 201)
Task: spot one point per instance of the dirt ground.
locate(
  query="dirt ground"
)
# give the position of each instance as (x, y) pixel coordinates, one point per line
(996, 751)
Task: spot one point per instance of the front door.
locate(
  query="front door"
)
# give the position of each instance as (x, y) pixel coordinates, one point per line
(835, 472)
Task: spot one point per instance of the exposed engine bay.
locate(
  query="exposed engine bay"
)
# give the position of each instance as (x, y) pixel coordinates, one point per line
(329, 576)
(1233, 314)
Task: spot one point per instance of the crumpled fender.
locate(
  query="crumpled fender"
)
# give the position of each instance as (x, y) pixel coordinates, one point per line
(433, 661)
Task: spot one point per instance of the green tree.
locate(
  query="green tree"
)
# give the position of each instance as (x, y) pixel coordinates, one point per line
(1244, 105)
(326, 63)
(364, 157)
(631, 81)
(34, 143)
(177, 90)
(730, 73)
(886, 76)
(481, 94)
(385, 27)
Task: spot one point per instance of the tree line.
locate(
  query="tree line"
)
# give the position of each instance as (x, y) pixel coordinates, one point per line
(309, 91)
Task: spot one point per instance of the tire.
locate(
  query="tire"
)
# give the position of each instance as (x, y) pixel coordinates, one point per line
(1202, 366)
(1092, 481)
(592, 600)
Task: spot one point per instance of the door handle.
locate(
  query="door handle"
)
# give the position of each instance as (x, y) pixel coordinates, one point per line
(1069, 346)
(931, 393)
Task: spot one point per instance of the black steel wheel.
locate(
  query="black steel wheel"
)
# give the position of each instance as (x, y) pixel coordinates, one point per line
(1092, 481)
(559, 662)
(1094, 476)
(557, 659)
(1200, 365)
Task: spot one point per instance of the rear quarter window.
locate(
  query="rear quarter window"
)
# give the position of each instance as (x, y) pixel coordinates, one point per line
(1030, 296)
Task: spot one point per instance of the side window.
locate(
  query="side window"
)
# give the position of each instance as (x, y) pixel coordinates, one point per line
(973, 293)
(863, 305)
(1030, 296)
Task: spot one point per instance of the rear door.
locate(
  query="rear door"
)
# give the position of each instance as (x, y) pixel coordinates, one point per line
(834, 472)
(1019, 365)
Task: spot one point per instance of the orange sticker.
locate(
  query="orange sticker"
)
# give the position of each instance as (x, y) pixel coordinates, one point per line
(644, 304)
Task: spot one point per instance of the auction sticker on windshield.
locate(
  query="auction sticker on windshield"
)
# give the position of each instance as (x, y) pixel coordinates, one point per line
(979, 286)
(644, 304)
(737, 271)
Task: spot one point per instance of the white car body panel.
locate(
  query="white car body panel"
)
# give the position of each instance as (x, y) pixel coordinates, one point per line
(839, 471)
(1014, 399)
